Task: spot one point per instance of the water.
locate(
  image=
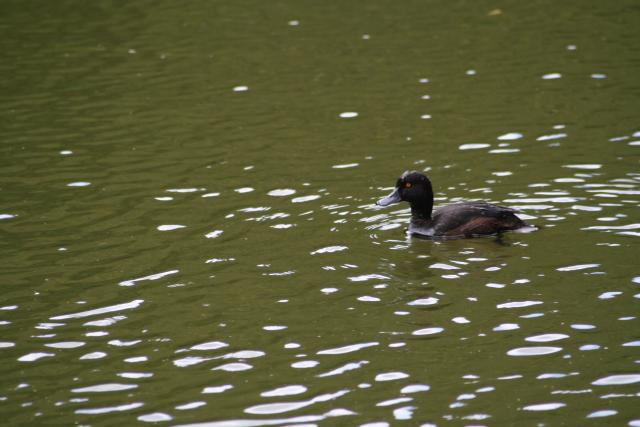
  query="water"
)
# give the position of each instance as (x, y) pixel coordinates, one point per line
(189, 232)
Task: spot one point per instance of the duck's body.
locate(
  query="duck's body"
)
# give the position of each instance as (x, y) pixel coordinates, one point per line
(467, 219)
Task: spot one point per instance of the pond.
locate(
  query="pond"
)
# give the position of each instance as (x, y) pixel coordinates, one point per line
(190, 235)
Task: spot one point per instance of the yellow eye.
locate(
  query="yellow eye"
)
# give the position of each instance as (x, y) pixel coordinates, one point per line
(407, 185)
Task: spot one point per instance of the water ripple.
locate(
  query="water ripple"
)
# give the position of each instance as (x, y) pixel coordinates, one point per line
(546, 338)
(110, 409)
(533, 351)
(285, 391)
(544, 406)
(149, 277)
(118, 307)
(518, 304)
(427, 331)
(155, 417)
(233, 367)
(216, 389)
(344, 368)
(32, 357)
(618, 379)
(301, 420)
(415, 388)
(281, 407)
(102, 388)
(348, 348)
(329, 249)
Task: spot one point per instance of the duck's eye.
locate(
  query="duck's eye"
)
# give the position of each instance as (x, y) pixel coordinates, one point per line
(407, 185)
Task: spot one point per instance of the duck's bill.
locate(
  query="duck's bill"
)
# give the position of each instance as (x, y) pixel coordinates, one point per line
(394, 197)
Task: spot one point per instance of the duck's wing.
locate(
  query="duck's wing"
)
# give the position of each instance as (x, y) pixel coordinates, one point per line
(471, 218)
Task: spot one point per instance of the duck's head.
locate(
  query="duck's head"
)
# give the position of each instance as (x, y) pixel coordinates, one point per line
(413, 187)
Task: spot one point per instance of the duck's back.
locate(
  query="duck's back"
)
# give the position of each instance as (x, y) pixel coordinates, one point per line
(473, 218)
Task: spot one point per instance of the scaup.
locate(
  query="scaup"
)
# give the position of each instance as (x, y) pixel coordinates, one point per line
(467, 219)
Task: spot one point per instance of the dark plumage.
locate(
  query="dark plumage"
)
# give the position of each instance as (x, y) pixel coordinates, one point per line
(467, 219)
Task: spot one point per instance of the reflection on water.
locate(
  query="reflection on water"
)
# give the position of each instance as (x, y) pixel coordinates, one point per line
(190, 235)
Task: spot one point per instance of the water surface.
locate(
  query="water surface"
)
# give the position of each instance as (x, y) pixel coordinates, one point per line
(189, 232)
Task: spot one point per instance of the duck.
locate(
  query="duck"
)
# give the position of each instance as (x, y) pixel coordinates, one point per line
(458, 220)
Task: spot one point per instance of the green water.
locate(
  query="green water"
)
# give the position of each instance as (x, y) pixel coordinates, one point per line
(188, 231)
